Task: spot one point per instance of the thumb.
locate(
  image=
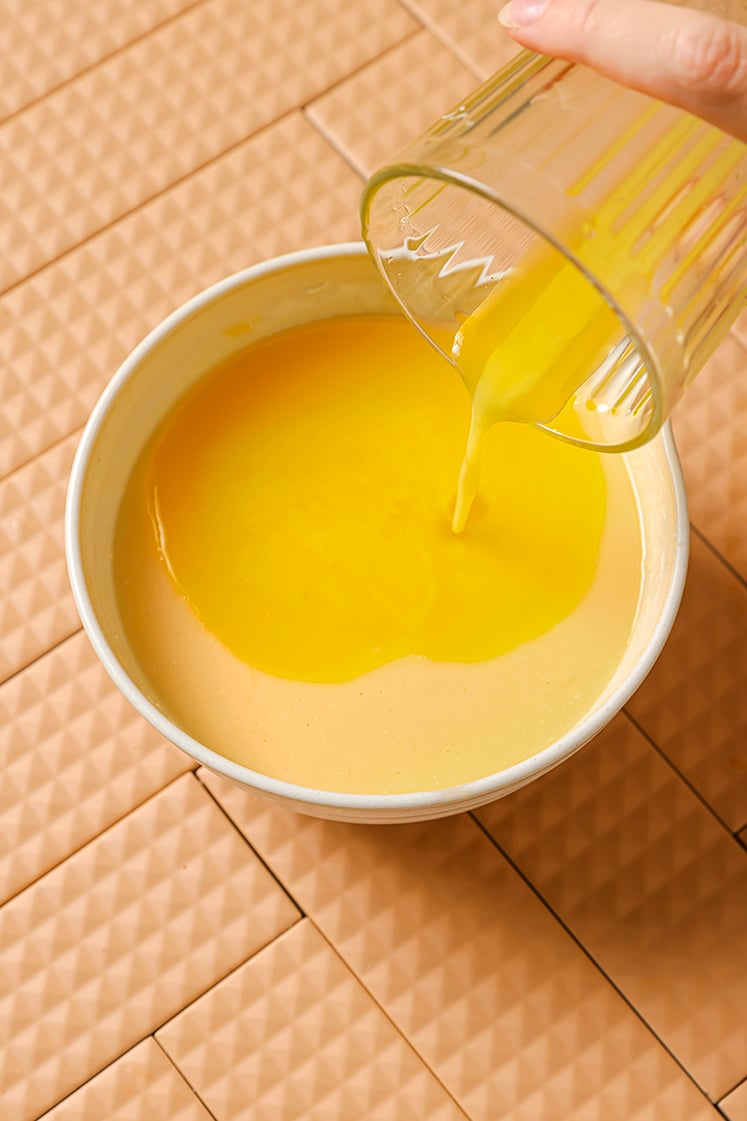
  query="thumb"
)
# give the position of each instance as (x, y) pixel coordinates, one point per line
(688, 58)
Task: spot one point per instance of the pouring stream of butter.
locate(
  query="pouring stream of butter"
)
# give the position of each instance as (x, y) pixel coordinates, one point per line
(524, 352)
(544, 328)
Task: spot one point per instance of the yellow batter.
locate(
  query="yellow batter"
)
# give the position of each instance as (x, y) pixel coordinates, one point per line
(290, 584)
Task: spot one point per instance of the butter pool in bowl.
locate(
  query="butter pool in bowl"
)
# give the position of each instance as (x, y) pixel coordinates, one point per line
(311, 706)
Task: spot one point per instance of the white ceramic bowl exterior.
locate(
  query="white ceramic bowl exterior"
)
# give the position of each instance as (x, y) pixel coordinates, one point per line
(301, 287)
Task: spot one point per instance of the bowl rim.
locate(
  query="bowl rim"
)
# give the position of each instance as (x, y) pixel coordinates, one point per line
(473, 792)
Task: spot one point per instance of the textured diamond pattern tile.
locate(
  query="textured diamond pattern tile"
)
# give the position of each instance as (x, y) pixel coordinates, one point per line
(390, 102)
(710, 425)
(141, 1086)
(651, 884)
(133, 125)
(74, 757)
(46, 42)
(64, 331)
(734, 1106)
(292, 1035)
(36, 607)
(108, 946)
(694, 702)
(168, 917)
(470, 29)
(511, 1016)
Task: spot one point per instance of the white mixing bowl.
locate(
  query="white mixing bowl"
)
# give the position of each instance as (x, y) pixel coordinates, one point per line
(301, 287)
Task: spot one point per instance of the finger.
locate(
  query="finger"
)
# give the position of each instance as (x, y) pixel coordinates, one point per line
(688, 58)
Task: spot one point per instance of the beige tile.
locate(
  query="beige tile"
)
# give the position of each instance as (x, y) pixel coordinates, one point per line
(123, 934)
(292, 1035)
(36, 607)
(132, 126)
(470, 29)
(710, 426)
(382, 107)
(64, 331)
(73, 323)
(47, 42)
(141, 1086)
(651, 884)
(496, 998)
(734, 1105)
(694, 702)
(109, 945)
(740, 328)
(75, 757)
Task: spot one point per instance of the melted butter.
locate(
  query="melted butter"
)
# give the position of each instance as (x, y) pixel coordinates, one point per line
(300, 500)
(293, 595)
(544, 328)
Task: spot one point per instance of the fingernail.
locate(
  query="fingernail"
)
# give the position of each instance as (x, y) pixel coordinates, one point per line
(520, 13)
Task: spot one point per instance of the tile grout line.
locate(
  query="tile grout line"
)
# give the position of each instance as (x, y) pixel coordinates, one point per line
(218, 980)
(588, 955)
(455, 50)
(297, 108)
(304, 916)
(693, 790)
(405, 1039)
(90, 841)
(77, 431)
(302, 109)
(736, 1086)
(152, 1034)
(364, 65)
(445, 39)
(38, 657)
(329, 139)
(719, 555)
(141, 36)
(182, 1075)
(48, 650)
(250, 846)
(107, 1066)
(151, 198)
(100, 61)
(224, 977)
(308, 107)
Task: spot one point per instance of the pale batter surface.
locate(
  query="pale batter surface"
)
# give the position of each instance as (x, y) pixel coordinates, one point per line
(411, 722)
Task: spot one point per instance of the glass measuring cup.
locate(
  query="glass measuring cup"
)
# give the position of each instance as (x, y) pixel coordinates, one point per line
(584, 238)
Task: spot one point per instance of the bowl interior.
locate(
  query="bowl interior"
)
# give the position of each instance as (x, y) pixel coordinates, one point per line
(305, 287)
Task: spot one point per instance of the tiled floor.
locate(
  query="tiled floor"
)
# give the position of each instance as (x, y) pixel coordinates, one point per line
(172, 948)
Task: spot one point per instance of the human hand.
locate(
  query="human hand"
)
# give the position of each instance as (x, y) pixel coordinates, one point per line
(691, 59)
